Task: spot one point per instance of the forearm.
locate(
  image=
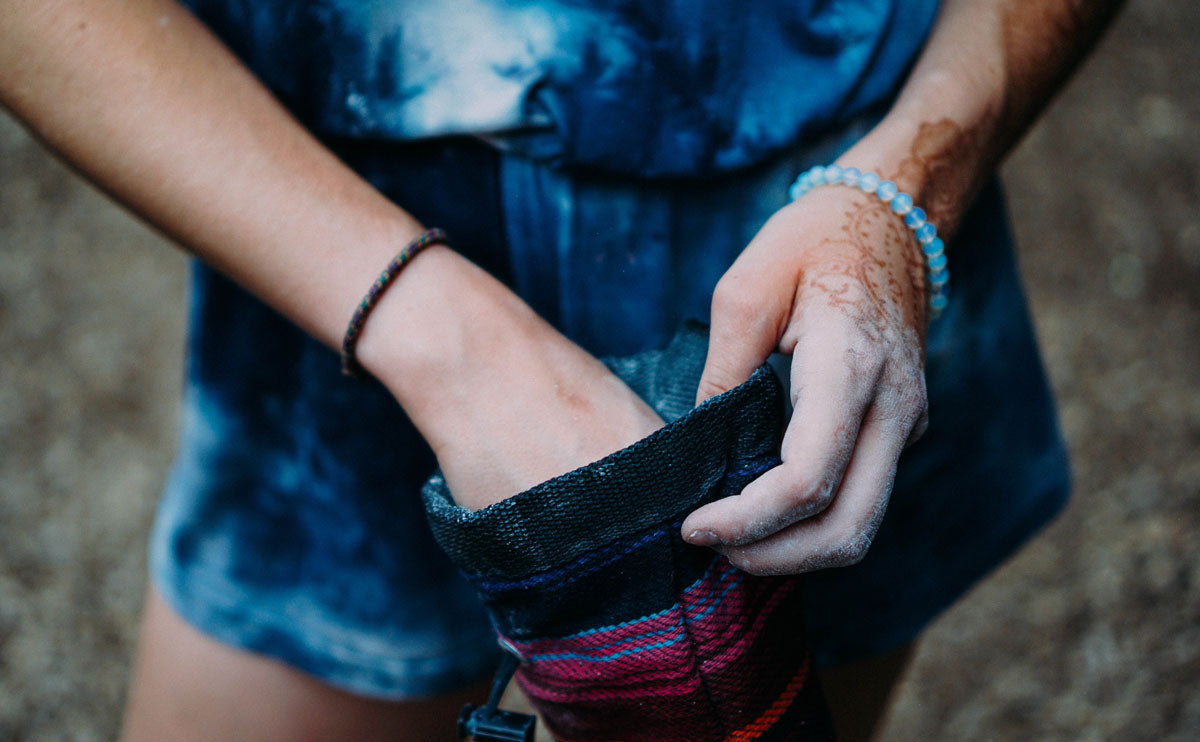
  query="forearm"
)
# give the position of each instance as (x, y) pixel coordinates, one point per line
(147, 104)
(988, 70)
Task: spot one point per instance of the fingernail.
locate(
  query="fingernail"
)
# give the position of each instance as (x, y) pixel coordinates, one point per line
(703, 538)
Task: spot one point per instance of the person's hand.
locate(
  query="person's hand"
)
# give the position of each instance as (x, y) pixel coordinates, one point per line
(504, 400)
(543, 408)
(837, 281)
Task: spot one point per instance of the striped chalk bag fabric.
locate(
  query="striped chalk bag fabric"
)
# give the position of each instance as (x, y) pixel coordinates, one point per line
(626, 632)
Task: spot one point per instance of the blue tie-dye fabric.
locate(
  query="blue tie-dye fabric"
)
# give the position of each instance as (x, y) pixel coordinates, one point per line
(668, 88)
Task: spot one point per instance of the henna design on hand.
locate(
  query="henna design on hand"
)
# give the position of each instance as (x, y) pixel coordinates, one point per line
(876, 276)
(876, 279)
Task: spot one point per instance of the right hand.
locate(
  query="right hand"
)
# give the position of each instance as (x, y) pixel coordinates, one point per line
(504, 399)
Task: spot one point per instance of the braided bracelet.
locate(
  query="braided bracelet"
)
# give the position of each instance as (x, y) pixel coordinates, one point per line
(350, 365)
(901, 205)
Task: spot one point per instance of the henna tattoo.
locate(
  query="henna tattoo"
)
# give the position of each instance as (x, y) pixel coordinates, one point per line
(876, 275)
(1042, 43)
(943, 168)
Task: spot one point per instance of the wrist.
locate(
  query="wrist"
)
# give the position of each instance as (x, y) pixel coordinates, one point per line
(503, 399)
(444, 332)
(939, 140)
(880, 198)
(940, 164)
(420, 322)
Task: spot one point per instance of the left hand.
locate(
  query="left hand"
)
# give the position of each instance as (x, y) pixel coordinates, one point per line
(838, 282)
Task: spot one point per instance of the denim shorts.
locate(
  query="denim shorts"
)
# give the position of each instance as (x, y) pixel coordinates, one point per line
(292, 525)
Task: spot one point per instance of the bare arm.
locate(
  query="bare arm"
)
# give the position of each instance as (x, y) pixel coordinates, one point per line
(847, 301)
(990, 68)
(143, 100)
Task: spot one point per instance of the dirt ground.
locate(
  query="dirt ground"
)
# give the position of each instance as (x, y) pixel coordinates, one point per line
(1093, 632)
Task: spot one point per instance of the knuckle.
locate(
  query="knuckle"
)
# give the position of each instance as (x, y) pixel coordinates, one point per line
(800, 499)
(916, 404)
(709, 387)
(912, 381)
(733, 302)
(855, 553)
(904, 399)
(724, 293)
(811, 499)
(865, 356)
(852, 550)
(848, 556)
(918, 430)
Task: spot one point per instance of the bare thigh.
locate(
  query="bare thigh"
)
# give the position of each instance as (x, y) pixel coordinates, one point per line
(187, 686)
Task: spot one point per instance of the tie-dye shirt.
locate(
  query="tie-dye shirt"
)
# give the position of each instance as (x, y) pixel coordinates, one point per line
(291, 524)
(666, 88)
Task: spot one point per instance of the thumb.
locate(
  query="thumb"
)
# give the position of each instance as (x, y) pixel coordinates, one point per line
(738, 343)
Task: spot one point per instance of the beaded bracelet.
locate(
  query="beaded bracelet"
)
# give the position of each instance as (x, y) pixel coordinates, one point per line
(350, 365)
(901, 205)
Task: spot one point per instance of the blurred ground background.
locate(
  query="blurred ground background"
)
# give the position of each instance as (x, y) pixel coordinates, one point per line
(1093, 632)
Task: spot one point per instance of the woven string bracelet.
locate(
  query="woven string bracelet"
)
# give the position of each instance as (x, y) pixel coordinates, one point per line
(350, 365)
(901, 205)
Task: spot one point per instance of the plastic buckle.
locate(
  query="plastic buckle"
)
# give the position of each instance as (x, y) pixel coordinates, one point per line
(497, 725)
(491, 724)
